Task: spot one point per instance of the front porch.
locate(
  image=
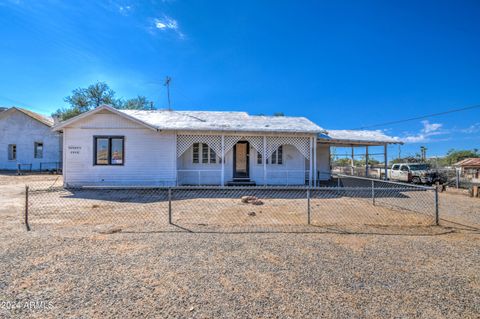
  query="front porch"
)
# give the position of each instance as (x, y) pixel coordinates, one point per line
(208, 159)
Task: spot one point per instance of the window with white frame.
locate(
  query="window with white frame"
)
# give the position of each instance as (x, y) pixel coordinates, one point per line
(275, 159)
(12, 152)
(277, 156)
(38, 150)
(204, 154)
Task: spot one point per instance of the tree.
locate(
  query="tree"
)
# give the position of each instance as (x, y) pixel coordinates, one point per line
(137, 103)
(86, 99)
(408, 159)
(454, 156)
(278, 114)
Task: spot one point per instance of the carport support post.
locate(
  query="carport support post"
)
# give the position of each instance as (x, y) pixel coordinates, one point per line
(437, 215)
(26, 209)
(366, 161)
(352, 168)
(170, 205)
(386, 161)
(308, 206)
(373, 192)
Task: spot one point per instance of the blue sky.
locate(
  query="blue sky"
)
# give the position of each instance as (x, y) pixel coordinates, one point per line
(343, 64)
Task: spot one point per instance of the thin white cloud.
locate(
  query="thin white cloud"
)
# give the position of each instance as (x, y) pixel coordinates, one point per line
(125, 9)
(168, 24)
(428, 130)
(474, 128)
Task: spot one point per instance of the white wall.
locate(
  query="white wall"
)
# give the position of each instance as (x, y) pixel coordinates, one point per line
(323, 161)
(149, 155)
(23, 131)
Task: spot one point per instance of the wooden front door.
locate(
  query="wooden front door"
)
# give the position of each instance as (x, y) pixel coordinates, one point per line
(241, 165)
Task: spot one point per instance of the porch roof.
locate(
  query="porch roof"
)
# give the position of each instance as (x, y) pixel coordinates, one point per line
(357, 138)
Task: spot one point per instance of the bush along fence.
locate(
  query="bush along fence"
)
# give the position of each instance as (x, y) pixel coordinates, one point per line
(352, 201)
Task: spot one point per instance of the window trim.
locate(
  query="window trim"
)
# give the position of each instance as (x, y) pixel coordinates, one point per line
(201, 146)
(109, 137)
(259, 159)
(35, 145)
(14, 158)
(197, 146)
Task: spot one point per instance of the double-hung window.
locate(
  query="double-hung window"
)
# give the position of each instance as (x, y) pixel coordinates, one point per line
(109, 150)
(12, 152)
(276, 158)
(204, 154)
(38, 150)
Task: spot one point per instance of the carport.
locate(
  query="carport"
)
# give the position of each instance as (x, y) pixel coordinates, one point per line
(359, 139)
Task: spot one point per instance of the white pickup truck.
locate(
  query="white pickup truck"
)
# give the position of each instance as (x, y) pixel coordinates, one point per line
(416, 173)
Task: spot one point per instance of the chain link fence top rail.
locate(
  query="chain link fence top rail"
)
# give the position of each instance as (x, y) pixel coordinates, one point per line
(351, 202)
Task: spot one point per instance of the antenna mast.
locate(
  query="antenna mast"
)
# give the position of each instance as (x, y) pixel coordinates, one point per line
(167, 84)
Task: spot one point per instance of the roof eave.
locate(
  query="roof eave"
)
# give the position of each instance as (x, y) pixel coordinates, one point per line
(61, 125)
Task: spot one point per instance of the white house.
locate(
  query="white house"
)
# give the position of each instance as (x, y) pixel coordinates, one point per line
(106, 146)
(27, 139)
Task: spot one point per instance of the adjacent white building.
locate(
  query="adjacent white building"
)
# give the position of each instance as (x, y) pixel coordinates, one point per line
(27, 139)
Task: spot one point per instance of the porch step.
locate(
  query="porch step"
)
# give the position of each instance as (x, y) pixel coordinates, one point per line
(241, 183)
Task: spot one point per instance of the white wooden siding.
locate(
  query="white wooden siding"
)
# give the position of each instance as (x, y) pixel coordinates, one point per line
(23, 131)
(149, 155)
(323, 162)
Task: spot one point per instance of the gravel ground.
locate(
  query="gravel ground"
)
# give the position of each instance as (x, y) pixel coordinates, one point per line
(206, 275)
(383, 272)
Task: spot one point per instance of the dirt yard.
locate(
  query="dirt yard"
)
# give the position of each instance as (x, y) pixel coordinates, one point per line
(249, 269)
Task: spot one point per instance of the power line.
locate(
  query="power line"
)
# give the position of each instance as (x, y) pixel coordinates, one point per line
(420, 117)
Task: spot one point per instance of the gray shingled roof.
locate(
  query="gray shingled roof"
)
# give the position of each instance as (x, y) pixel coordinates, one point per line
(223, 121)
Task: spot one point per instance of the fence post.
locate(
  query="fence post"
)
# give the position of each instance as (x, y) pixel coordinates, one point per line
(373, 192)
(437, 215)
(26, 208)
(170, 205)
(308, 206)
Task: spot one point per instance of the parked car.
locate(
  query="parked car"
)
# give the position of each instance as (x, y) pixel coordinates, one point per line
(416, 173)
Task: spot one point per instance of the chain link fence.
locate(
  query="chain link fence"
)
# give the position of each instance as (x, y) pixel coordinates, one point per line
(349, 201)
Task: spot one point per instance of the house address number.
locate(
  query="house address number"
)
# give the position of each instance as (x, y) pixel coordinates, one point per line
(74, 149)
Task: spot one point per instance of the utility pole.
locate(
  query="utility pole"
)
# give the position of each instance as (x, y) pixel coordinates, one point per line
(167, 84)
(423, 150)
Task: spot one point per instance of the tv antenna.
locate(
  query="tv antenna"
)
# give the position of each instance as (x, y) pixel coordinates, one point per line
(167, 84)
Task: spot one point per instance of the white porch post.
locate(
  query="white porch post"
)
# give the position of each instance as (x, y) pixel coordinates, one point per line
(176, 159)
(264, 158)
(223, 160)
(315, 161)
(311, 162)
